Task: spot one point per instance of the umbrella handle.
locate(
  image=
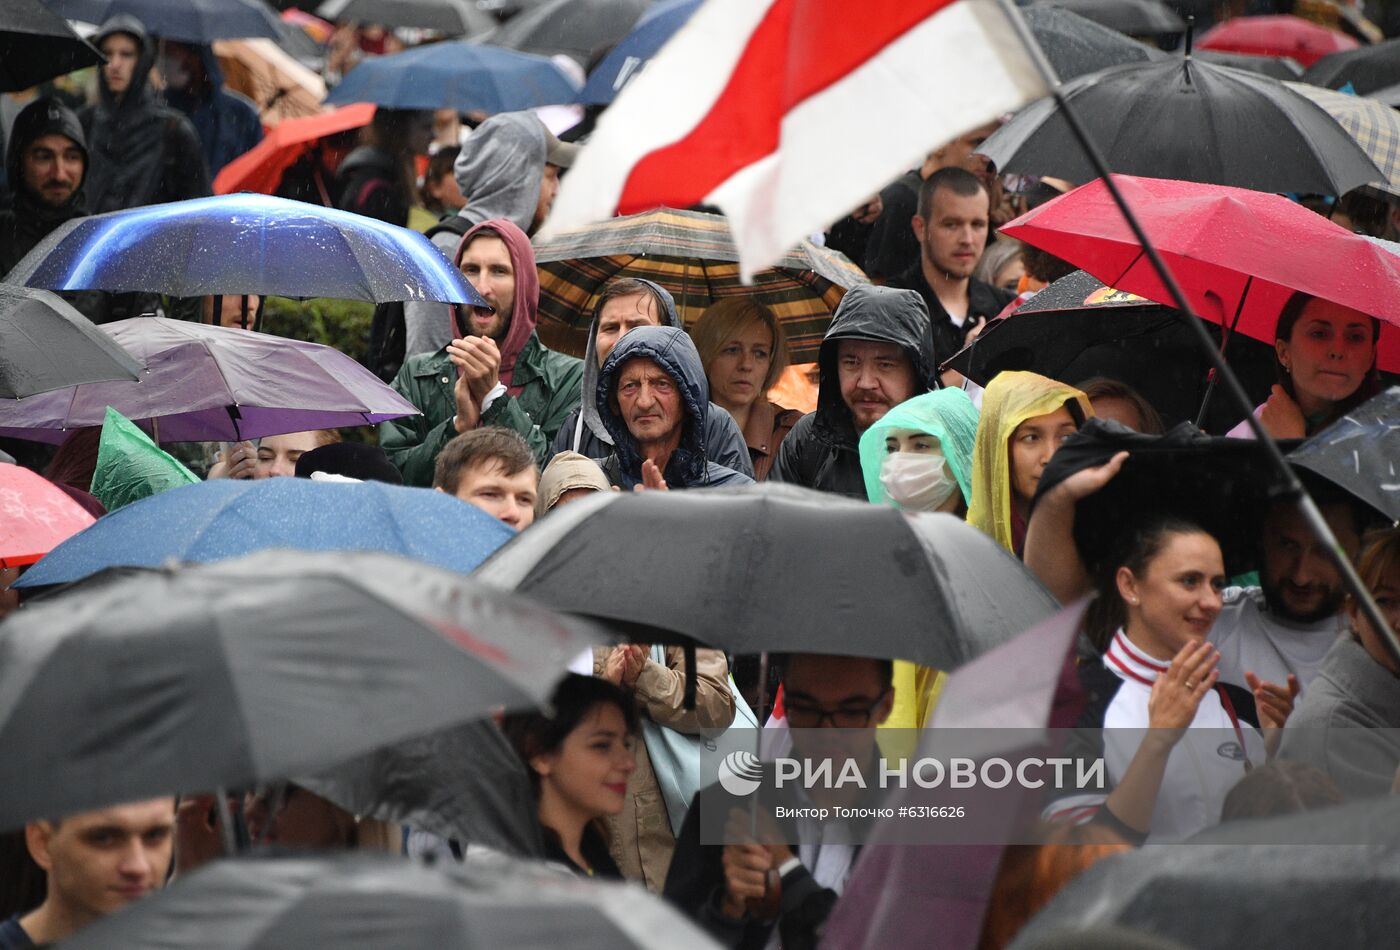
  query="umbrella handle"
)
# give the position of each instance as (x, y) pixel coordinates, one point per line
(226, 830)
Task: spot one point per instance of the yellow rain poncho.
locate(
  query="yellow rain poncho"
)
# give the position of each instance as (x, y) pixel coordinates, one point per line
(1008, 401)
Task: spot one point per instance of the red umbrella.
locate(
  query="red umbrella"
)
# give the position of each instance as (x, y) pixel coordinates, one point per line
(1285, 35)
(260, 169)
(35, 515)
(1231, 249)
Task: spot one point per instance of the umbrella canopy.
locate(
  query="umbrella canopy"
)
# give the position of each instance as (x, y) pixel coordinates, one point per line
(1282, 895)
(1366, 69)
(758, 571)
(1077, 45)
(35, 516)
(1275, 67)
(280, 86)
(227, 518)
(632, 53)
(582, 29)
(1237, 254)
(1130, 17)
(243, 244)
(351, 900)
(1077, 328)
(1188, 120)
(448, 17)
(1371, 124)
(190, 21)
(1361, 453)
(692, 255)
(205, 383)
(37, 44)
(1283, 35)
(260, 169)
(458, 75)
(250, 671)
(47, 345)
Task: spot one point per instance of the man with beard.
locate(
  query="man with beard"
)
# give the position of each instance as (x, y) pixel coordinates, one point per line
(494, 371)
(46, 164)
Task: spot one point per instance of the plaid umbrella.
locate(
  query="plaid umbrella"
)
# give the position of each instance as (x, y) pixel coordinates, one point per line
(692, 255)
(1374, 125)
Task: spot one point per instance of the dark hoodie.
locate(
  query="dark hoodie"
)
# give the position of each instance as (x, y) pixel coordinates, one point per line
(821, 451)
(227, 124)
(31, 218)
(671, 349)
(142, 152)
(584, 432)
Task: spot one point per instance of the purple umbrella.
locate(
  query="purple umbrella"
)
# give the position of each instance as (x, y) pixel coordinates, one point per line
(210, 383)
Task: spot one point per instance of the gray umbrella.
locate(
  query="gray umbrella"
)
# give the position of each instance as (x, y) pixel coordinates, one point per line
(45, 345)
(1361, 452)
(449, 17)
(777, 568)
(258, 669)
(1294, 895)
(1130, 17)
(387, 904)
(1076, 45)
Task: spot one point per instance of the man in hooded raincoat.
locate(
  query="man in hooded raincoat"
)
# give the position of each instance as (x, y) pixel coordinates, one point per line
(877, 353)
(46, 163)
(674, 418)
(495, 371)
(584, 432)
(141, 152)
(227, 123)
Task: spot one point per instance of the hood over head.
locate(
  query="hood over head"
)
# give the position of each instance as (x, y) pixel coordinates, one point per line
(589, 411)
(525, 311)
(44, 116)
(947, 414)
(671, 349)
(500, 168)
(139, 90)
(882, 314)
(567, 471)
(1009, 400)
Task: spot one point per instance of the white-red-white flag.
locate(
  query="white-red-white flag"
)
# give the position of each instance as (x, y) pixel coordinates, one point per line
(788, 113)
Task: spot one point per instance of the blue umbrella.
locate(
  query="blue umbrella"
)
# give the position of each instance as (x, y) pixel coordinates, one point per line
(191, 21)
(457, 75)
(228, 518)
(630, 56)
(243, 244)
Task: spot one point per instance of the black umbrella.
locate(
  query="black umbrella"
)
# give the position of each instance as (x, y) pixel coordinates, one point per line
(360, 900)
(1130, 17)
(777, 568)
(254, 670)
(583, 29)
(1361, 453)
(465, 783)
(1282, 68)
(45, 345)
(1077, 328)
(189, 21)
(1296, 894)
(1367, 68)
(449, 17)
(1076, 45)
(1191, 121)
(37, 44)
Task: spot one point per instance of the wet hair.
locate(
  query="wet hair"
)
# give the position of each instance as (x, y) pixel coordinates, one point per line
(1283, 331)
(477, 449)
(630, 287)
(535, 733)
(1380, 556)
(1135, 551)
(959, 181)
(998, 254)
(1280, 788)
(439, 164)
(1044, 266)
(389, 132)
(724, 318)
(1101, 387)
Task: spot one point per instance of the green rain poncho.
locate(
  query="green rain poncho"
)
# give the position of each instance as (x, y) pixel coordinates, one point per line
(130, 466)
(947, 414)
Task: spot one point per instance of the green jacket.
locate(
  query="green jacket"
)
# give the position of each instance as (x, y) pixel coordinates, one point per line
(550, 386)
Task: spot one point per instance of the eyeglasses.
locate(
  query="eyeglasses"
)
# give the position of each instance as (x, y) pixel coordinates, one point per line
(801, 716)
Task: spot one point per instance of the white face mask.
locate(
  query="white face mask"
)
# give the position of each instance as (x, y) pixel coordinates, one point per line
(917, 482)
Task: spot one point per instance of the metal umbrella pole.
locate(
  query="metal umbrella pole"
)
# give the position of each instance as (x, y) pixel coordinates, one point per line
(1293, 488)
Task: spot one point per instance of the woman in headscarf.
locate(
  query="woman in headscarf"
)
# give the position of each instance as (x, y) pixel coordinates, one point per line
(1025, 418)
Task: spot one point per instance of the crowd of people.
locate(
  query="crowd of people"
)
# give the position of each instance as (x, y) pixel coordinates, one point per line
(1175, 649)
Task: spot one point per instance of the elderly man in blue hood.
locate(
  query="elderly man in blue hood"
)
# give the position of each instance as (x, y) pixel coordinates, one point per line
(653, 398)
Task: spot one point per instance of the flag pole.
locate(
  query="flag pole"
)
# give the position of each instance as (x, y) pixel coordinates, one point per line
(1292, 487)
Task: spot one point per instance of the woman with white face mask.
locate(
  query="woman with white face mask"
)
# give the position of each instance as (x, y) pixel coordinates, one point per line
(918, 456)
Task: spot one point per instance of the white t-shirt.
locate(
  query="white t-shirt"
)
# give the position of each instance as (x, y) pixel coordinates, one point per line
(1251, 639)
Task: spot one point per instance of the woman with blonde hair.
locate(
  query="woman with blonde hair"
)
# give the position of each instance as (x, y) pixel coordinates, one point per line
(744, 352)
